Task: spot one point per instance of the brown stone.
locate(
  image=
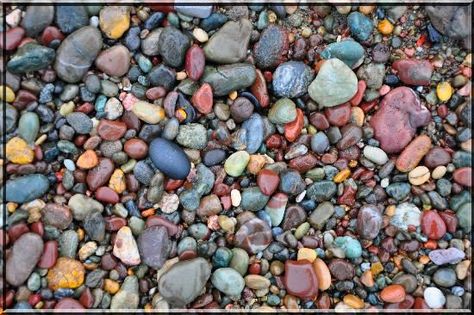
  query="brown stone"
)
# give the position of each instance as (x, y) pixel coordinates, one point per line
(136, 148)
(111, 130)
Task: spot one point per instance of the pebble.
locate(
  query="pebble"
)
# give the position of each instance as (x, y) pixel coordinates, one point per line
(125, 247)
(406, 214)
(31, 57)
(72, 63)
(172, 46)
(193, 136)
(228, 78)
(300, 279)
(360, 26)
(348, 51)
(236, 163)
(149, 113)
(376, 155)
(184, 281)
(127, 297)
(434, 298)
(282, 112)
(25, 188)
(394, 293)
(36, 19)
(413, 153)
(413, 72)
(114, 61)
(419, 175)
(67, 273)
(404, 119)
(271, 48)
(334, 76)
(18, 151)
(369, 222)
(253, 236)
(154, 246)
(169, 158)
(228, 281)
(114, 21)
(24, 255)
(291, 79)
(229, 44)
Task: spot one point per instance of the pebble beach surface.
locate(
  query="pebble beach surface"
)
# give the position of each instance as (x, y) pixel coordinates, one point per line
(250, 157)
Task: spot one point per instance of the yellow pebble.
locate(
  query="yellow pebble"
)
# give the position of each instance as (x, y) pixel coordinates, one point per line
(385, 27)
(366, 9)
(117, 181)
(312, 130)
(66, 108)
(272, 17)
(114, 21)
(111, 286)
(444, 91)
(353, 301)
(390, 210)
(233, 95)
(353, 163)
(424, 260)
(376, 268)
(10, 95)
(41, 139)
(19, 152)
(307, 253)
(11, 207)
(80, 234)
(180, 76)
(342, 175)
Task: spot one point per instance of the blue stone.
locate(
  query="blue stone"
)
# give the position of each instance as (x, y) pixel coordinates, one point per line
(169, 158)
(348, 51)
(254, 133)
(291, 79)
(215, 20)
(360, 26)
(25, 188)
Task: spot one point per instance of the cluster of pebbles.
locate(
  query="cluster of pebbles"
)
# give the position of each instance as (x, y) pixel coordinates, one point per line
(262, 157)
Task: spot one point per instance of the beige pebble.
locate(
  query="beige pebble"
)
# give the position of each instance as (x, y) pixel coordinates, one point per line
(180, 76)
(257, 282)
(87, 250)
(439, 172)
(462, 269)
(357, 116)
(290, 9)
(343, 9)
(235, 197)
(200, 35)
(419, 175)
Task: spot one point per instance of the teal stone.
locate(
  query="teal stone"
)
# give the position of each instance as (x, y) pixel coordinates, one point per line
(31, 57)
(173, 19)
(462, 159)
(198, 231)
(282, 112)
(321, 191)
(253, 199)
(458, 200)
(190, 199)
(222, 257)
(187, 244)
(348, 51)
(228, 281)
(464, 216)
(144, 63)
(398, 191)
(228, 78)
(350, 246)
(275, 208)
(67, 147)
(28, 127)
(25, 188)
(240, 260)
(273, 300)
(262, 20)
(100, 103)
(360, 26)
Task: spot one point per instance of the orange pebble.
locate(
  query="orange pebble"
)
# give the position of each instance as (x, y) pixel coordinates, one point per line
(394, 293)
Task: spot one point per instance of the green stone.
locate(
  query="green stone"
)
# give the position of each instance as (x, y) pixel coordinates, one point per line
(236, 163)
(222, 257)
(350, 246)
(240, 260)
(253, 199)
(464, 217)
(28, 127)
(31, 57)
(282, 112)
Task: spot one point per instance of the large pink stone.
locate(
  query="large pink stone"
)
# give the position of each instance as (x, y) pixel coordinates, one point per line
(414, 72)
(399, 114)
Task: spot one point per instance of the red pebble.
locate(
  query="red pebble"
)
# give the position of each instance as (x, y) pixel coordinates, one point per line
(259, 89)
(203, 99)
(357, 98)
(194, 62)
(267, 181)
(12, 37)
(338, 115)
(49, 256)
(17, 230)
(51, 33)
(293, 129)
(432, 225)
(463, 176)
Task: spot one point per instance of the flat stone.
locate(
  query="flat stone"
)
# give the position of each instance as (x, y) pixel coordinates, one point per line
(68, 273)
(335, 84)
(321, 215)
(57, 215)
(128, 295)
(25, 253)
(348, 51)
(291, 79)
(300, 279)
(114, 61)
(228, 78)
(413, 72)
(271, 48)
(172, 46)
(183, 282)
(125, 247)
(31, 57)
(169, 158)
(369, 222)
(229, 44)
(81, 206)
(77, 52)
(228, 281)
(25, 188)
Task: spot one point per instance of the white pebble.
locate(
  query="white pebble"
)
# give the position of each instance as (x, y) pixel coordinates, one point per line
(200, 35)
(69, 164)
(434, 298)
(235, 197)
(376, 155)
(300, 197)
(384, 182)
(94, 21)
